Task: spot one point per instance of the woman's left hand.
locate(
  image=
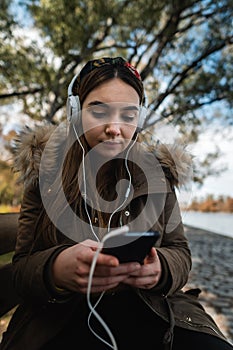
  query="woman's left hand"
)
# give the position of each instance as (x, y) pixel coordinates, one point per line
(148, 275)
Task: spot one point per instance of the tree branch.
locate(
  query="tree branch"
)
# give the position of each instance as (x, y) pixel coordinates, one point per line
(178, 78)
(20, 93)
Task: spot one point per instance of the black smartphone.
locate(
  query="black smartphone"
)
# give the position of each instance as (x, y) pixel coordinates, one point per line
(130, 246)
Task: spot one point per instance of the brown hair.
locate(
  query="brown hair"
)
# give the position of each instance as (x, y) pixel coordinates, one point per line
(103, 74)
(82, 87)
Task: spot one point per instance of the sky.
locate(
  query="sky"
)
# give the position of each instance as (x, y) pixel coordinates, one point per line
(212, 137)
(223, 183)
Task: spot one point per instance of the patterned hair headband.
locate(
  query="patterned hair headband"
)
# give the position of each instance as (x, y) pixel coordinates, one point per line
(93, 64)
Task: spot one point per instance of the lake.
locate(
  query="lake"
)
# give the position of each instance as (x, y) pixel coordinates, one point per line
(221, 223)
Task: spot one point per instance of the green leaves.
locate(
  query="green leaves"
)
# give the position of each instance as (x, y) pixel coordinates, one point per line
(182, 49)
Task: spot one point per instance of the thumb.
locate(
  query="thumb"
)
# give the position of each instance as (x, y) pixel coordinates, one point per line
(151, 257)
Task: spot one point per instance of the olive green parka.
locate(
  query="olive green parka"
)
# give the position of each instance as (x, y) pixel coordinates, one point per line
(152, 206)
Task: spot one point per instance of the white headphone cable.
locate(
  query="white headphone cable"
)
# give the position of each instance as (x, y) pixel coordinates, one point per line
(130, 181)
(92, 308)
(84, 182)
(113, 233)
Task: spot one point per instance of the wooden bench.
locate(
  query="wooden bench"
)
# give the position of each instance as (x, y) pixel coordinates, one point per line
(8, 230)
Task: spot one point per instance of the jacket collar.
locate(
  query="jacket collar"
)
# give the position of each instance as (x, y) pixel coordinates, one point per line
(28, 148)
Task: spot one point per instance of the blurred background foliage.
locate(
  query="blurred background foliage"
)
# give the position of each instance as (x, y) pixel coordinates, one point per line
(183, 50)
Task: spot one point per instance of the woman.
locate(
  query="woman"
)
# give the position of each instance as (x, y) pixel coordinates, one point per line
(100, 178)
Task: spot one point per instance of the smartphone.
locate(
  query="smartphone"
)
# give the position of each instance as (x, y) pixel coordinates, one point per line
(130, 246)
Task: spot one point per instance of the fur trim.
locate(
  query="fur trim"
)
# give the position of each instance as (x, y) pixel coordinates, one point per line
(176, 162)
(27, 149)
(29, 146)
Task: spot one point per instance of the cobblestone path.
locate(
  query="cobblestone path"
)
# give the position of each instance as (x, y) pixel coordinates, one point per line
(212, 272)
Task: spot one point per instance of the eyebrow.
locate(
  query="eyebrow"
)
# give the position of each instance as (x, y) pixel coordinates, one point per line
(106, 105)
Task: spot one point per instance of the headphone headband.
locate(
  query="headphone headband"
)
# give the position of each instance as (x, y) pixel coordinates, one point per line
(70, 87)
(73, 107)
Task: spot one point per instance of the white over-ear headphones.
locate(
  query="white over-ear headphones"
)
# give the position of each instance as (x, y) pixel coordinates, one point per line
(73, 108)
(142, 118)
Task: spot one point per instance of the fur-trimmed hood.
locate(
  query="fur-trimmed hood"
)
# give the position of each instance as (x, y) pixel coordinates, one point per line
(30, 144)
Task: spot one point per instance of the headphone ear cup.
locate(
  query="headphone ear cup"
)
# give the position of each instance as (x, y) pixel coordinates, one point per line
(141, 118)
(73, 109)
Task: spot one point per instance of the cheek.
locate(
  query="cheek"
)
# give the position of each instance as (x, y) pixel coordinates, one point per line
(88, 127)
(91, 134)
(129, 131)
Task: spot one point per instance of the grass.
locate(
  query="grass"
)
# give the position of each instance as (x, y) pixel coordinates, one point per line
(5, 208)
(6, 258)
(4, 321)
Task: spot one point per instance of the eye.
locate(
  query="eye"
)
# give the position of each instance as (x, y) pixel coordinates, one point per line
(98, 112)
(129, 116)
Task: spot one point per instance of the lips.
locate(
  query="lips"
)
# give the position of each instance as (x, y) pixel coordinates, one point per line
(112, 143)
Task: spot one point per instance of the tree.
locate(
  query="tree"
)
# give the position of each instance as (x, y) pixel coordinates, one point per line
(10, 193)
(182, 48)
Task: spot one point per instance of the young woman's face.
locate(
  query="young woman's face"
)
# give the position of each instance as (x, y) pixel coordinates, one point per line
(110, 116)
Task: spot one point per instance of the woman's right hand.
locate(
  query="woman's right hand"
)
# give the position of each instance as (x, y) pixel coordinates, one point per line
(72, 266)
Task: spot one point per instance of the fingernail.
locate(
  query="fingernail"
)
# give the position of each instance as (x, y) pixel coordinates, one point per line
(113, 262)
(136, 266)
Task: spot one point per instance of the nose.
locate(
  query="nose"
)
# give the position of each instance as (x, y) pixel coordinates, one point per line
(113, 129)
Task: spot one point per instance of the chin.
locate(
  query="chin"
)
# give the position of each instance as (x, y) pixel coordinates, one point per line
(109, 155)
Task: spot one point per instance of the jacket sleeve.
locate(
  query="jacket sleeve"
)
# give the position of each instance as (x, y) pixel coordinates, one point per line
(29, 264)
(174, 252)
